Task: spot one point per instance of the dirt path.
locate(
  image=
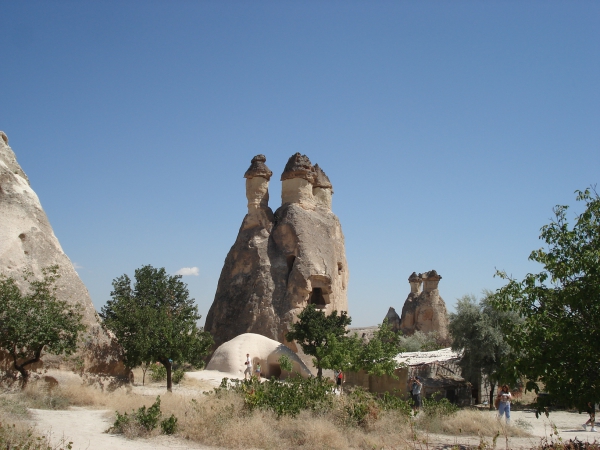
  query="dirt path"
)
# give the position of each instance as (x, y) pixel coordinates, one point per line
(567, 425)
(85, 428)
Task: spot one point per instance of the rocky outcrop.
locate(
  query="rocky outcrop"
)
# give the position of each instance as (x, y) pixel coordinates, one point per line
(393, 319)
(425, 310)
(27, 241)
(281, 262)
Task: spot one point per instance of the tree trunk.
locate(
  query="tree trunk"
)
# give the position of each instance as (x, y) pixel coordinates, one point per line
(168, 365)
(319, 369)
(144, 375)
(492, 386)
(21, 367)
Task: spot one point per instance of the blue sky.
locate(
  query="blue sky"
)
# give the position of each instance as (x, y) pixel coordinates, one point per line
(448, 129)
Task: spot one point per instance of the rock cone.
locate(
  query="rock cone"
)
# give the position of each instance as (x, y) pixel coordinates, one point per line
(281, 262)
(28, 241)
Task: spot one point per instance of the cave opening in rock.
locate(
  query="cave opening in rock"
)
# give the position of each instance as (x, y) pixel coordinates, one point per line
(317, 299)
(290, 263)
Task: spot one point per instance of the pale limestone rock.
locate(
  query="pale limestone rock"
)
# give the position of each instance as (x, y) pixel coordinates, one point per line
(425, 311)
(27, 241)
(280, 263)
(231, 355)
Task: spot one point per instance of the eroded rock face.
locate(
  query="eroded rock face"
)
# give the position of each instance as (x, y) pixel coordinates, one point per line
(425, 310)
(281, 262)
(28, 241)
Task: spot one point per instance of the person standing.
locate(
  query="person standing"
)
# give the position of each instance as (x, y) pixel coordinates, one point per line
(248, 370)
(257, 371)
(503, 399)
(415, 392)
(339, 379)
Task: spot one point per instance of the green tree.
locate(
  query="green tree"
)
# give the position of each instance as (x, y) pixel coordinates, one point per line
(319, 334)
(558, 340)
(377, 356)
(35, 322)
(477, 330)
(325, 338)
(155, 320)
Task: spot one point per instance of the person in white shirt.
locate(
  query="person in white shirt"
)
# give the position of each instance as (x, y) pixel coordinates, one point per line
(503, 399)
(248, 364)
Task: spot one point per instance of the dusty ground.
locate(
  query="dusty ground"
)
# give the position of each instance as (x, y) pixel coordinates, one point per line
(86, 427)
(568, 426)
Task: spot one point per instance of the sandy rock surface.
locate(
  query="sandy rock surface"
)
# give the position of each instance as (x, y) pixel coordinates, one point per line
(27, 241)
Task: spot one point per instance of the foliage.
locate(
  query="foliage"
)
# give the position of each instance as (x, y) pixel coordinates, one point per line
(318, 333)
(145, 418)
(438, 408)
(283, 398)
(169, 425)
(155, 320)
(296, 394)
(477, 329)
(557, 342)
(325, 338)
(178, 375)
(285, 363)
(36, 322)
(377, 356)
(420, 342)
(158, 373)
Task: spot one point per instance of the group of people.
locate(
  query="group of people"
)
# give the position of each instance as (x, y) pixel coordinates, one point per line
(248, 374)
(503, 400)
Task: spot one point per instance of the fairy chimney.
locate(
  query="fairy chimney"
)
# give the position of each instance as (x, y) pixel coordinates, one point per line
(424, 310)
(281, 262)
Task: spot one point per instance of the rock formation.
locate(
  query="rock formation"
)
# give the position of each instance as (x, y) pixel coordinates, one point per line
(281, 262)
(424, 311)
(28, 241)
(231, 355)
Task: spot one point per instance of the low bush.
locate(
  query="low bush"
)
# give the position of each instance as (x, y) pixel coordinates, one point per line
(158, 372)
(143, 421)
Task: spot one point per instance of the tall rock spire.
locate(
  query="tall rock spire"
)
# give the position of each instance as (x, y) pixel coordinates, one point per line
(276, 268)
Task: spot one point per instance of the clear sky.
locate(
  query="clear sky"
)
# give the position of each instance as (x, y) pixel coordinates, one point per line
(448, 129)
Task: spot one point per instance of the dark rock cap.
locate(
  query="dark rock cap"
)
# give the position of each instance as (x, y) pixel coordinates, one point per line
(299, 166)
(432, 275)
(258, 168)
(321, 178)
(414, 277)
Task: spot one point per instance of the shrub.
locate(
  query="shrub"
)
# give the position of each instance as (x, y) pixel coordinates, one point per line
(283, 398)
(158, 372)
(143, 420)
(177, 376)
(438, 408)
(169, 425)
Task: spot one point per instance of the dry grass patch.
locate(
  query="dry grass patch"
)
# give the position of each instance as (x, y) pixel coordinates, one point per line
(469, 422)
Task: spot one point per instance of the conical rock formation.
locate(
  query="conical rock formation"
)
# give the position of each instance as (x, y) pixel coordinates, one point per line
(27, 241)
(281, 262)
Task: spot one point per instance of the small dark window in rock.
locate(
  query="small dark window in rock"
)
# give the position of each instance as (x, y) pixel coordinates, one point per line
(290, 263)
(22, 236)
(340, 268)
(317, 299)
